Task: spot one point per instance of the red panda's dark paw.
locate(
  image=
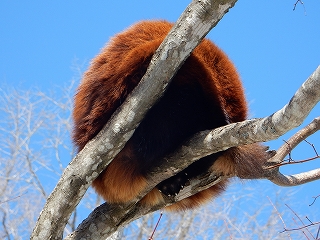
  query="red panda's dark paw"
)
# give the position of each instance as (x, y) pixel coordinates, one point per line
(173, 185)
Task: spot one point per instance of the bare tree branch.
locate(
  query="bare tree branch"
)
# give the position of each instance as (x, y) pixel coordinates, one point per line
(283, 222)
(297, 179)
(297, 138)
(26, 125)
(301, 178)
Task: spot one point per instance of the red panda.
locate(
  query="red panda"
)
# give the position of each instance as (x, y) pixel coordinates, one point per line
(206, 93)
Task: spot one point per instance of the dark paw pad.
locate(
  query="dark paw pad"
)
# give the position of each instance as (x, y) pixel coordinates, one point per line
(173, 185)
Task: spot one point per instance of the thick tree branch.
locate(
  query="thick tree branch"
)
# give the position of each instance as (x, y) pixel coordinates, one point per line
(297, 179)
(196, 21)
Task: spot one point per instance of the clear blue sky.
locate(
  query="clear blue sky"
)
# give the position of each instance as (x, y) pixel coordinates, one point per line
(274, 48)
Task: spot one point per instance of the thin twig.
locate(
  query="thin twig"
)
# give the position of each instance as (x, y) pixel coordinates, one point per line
(314, 200)
(304, 226)
(283, 222)
(302, 3)
(155, 228)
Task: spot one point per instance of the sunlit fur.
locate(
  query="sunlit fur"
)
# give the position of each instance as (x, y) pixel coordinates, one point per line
(112, 76)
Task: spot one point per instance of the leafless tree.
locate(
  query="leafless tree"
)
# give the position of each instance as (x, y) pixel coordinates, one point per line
(33, 132)
(20, 162)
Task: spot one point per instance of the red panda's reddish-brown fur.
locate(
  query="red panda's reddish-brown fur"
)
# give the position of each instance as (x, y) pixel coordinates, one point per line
(207, 74)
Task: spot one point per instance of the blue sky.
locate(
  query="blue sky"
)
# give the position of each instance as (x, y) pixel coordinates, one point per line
(274, 48)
